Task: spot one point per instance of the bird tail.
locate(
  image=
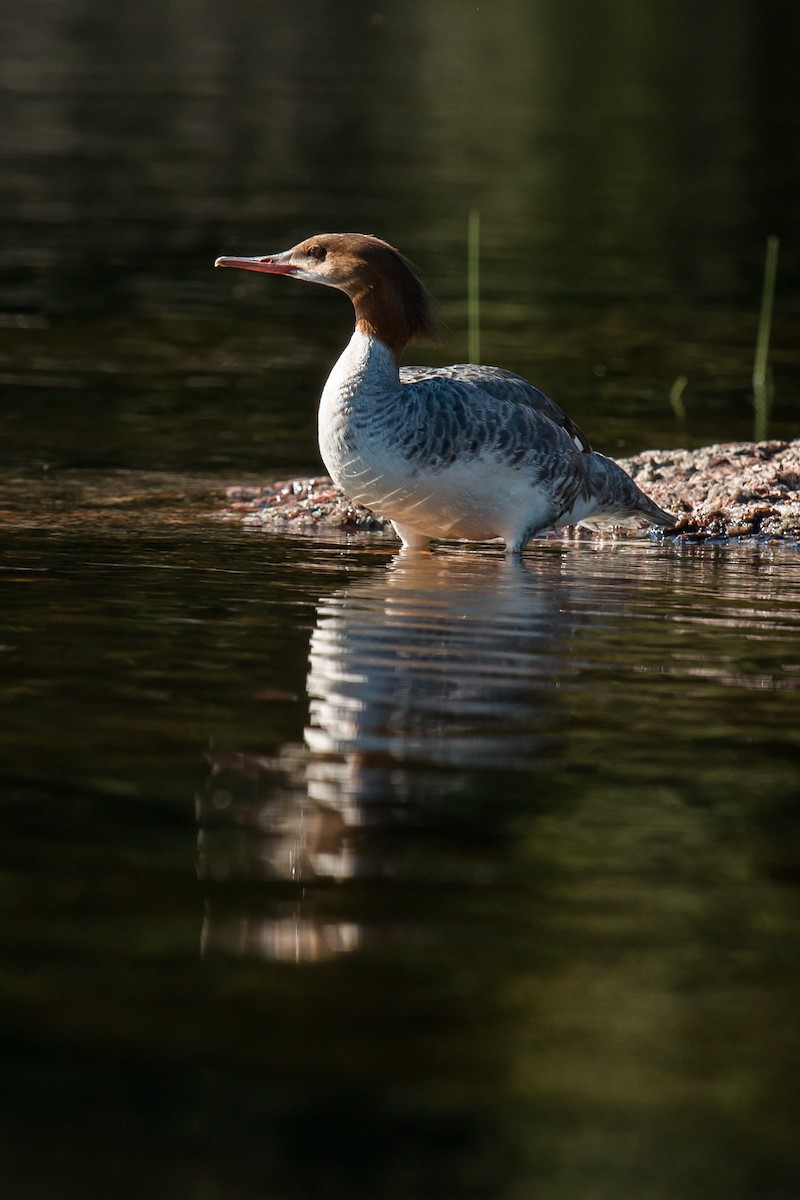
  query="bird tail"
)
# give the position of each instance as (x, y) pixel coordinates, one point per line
(619, 501)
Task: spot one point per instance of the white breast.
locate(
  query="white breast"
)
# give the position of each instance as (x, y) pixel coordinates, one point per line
(361, 404)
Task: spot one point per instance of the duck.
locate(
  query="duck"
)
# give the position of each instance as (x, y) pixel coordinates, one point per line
(465, 452)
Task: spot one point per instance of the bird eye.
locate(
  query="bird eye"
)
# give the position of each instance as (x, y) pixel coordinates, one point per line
(317, 252)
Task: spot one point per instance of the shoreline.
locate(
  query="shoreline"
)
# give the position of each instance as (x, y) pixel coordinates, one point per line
(726, 490)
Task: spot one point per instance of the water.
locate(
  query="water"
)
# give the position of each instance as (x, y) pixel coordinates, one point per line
(328, 871)
(628, 168)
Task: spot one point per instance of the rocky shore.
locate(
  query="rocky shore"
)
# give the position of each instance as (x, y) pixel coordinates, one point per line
(730, 490)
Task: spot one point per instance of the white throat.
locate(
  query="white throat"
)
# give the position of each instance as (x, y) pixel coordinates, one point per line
(365, 363)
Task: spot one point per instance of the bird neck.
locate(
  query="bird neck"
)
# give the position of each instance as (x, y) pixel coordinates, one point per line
(391, 304)
(383, 314)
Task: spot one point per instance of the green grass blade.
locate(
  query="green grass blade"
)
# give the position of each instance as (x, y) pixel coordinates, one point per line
(676, 397)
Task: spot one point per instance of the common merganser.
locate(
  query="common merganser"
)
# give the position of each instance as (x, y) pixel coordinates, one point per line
(463, 452)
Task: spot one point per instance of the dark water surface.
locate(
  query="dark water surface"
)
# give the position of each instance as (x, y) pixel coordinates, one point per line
(628, 163)
(327, 872)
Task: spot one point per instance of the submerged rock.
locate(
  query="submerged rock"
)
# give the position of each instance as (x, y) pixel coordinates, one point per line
(734, 489)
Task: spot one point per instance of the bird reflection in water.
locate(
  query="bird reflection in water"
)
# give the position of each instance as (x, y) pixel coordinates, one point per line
(420, 676)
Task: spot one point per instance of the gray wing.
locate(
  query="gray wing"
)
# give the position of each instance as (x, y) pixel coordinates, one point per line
(461, 413)
(455, 414)
(501, 386)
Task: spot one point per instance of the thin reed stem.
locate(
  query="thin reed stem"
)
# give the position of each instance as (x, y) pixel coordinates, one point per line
(765, 316)
(762, 376)
(473, 286)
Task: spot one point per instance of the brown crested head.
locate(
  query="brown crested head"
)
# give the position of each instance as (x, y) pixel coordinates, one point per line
(390, 301)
